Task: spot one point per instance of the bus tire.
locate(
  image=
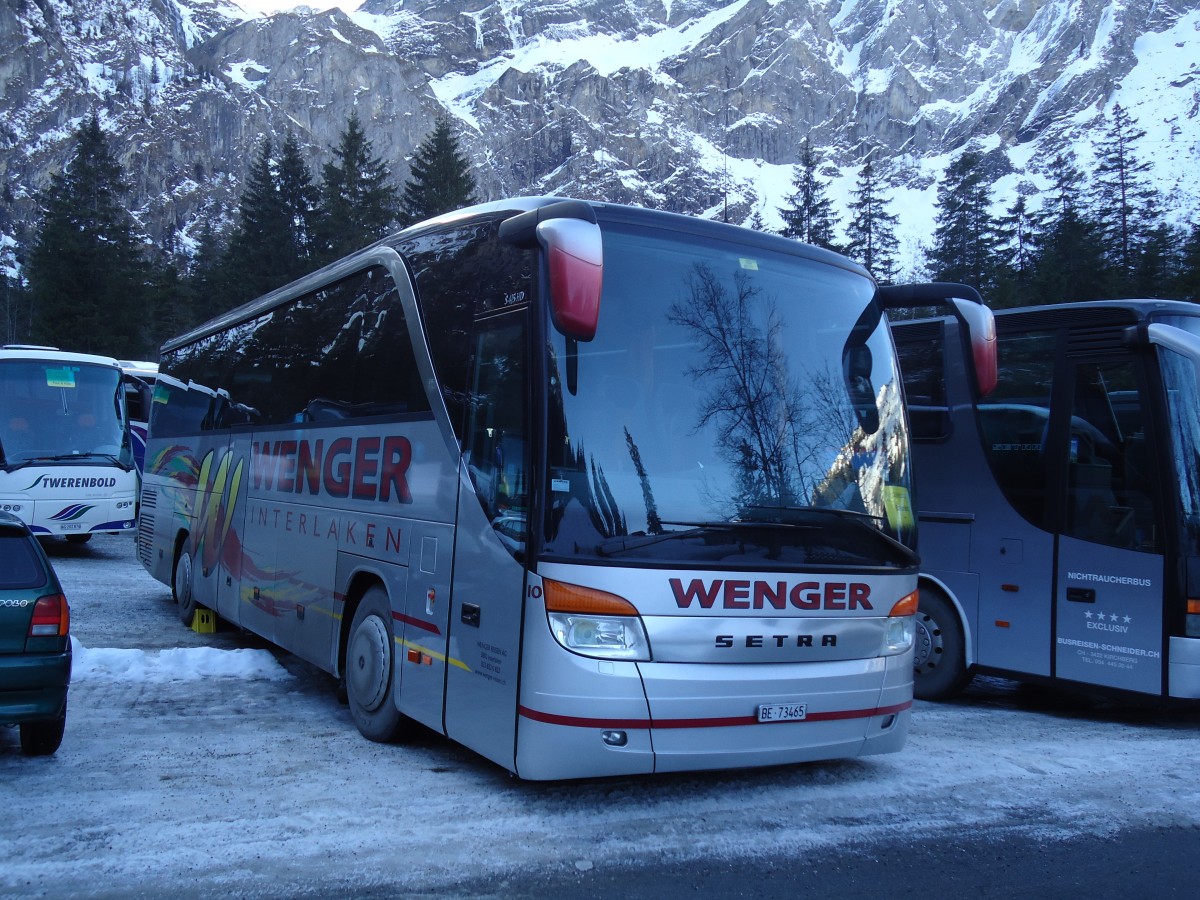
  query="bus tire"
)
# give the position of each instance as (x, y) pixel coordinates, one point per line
(939, 656)
(77, 538)
(370, 669)
(181, 587)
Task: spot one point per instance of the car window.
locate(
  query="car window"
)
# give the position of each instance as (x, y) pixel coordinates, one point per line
(19, 563)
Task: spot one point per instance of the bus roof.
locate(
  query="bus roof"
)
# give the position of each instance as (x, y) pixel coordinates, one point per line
(1139, 307)
(24, 351)
(611, 212)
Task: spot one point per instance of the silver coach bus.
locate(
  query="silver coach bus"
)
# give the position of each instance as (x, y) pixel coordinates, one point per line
(1059, 498)
(592, 490)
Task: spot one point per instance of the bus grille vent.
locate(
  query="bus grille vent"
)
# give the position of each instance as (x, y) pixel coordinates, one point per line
(146, 527)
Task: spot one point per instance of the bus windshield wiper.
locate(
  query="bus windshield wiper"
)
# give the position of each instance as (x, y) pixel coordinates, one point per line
(621, 543)
(813, 514)
(65, 457)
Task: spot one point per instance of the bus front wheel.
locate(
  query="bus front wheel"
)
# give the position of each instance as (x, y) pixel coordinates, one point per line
(370, 664)
(181, 588)
(939, 660)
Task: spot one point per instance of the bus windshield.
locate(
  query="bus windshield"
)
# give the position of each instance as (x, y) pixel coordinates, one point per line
(1180, 377)
(55, 411)
(738, 405)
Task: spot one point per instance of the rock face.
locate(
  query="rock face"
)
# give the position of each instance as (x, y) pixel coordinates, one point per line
(682, 104)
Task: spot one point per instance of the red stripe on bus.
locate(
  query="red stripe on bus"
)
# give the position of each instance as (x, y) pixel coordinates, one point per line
(417, 623)
(724, 722)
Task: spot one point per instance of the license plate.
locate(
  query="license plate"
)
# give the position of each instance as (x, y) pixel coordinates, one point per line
(782, 712)
(71, 526)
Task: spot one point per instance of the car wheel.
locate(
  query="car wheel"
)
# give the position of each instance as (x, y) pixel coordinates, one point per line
(181, 588)
(370, 669)
(42, 738)
(939, 659)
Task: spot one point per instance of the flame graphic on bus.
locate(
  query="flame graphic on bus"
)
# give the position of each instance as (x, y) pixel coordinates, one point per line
(219, 485)
(218, 493)
(175, 462)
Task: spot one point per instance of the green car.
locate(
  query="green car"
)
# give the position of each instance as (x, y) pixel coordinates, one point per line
(35, 647)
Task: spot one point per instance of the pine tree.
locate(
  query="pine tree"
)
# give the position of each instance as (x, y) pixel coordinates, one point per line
(1122, 191)
(809, 214)
(1159, 262)
(441, 177)
(1186, 285)
(261, 253)
(965, 237)
(15, 325)
(359, 203)
(1016, 231)
(87, 278)
(1069, 261)
(208, 279)
(299, 197)
(872, 229)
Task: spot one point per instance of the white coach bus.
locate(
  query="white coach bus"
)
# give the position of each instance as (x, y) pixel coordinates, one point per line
(590, 489)
(66, 464)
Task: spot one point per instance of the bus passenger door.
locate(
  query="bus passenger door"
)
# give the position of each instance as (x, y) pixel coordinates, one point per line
(489, 555)
(1109, 597)
(1012, 545)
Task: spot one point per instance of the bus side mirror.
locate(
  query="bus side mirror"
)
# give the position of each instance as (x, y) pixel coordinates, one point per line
(569, 236)
(981, 326)
(575, 258)
(970, 310)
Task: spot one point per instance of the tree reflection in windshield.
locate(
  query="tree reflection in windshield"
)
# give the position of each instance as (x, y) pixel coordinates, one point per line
(765, 430)
(724, 385)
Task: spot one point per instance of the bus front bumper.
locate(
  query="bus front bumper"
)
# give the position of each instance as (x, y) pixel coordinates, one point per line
(674, 717)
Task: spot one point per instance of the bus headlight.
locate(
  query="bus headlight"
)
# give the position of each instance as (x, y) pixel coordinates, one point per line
(901, 626)
(607, 637)
(595, 623)
(899, 635)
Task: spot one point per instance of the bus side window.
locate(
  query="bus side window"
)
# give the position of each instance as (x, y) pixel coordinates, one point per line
(921, 348)
(1015, 420)
(1109, 495)
(475, 293)
(342, 352)
(496, 446)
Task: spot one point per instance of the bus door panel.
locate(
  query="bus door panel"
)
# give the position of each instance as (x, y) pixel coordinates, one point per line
(422, 651)
(295, 591)
(485, 634)
(252, 599)
(1110, 617)
(1110, 564)
(1015, 593)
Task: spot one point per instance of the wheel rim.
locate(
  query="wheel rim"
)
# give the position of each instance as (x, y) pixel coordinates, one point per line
(368, 671)
(928, 646)
(183, 579)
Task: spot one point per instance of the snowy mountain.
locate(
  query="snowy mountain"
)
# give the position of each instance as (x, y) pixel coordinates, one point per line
(693, 105)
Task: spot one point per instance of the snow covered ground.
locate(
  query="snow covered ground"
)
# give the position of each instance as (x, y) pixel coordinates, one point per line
(205, 765)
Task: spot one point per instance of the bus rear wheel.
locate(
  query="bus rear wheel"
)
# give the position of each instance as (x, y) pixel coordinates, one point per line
(939, 658)
(370, 669)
